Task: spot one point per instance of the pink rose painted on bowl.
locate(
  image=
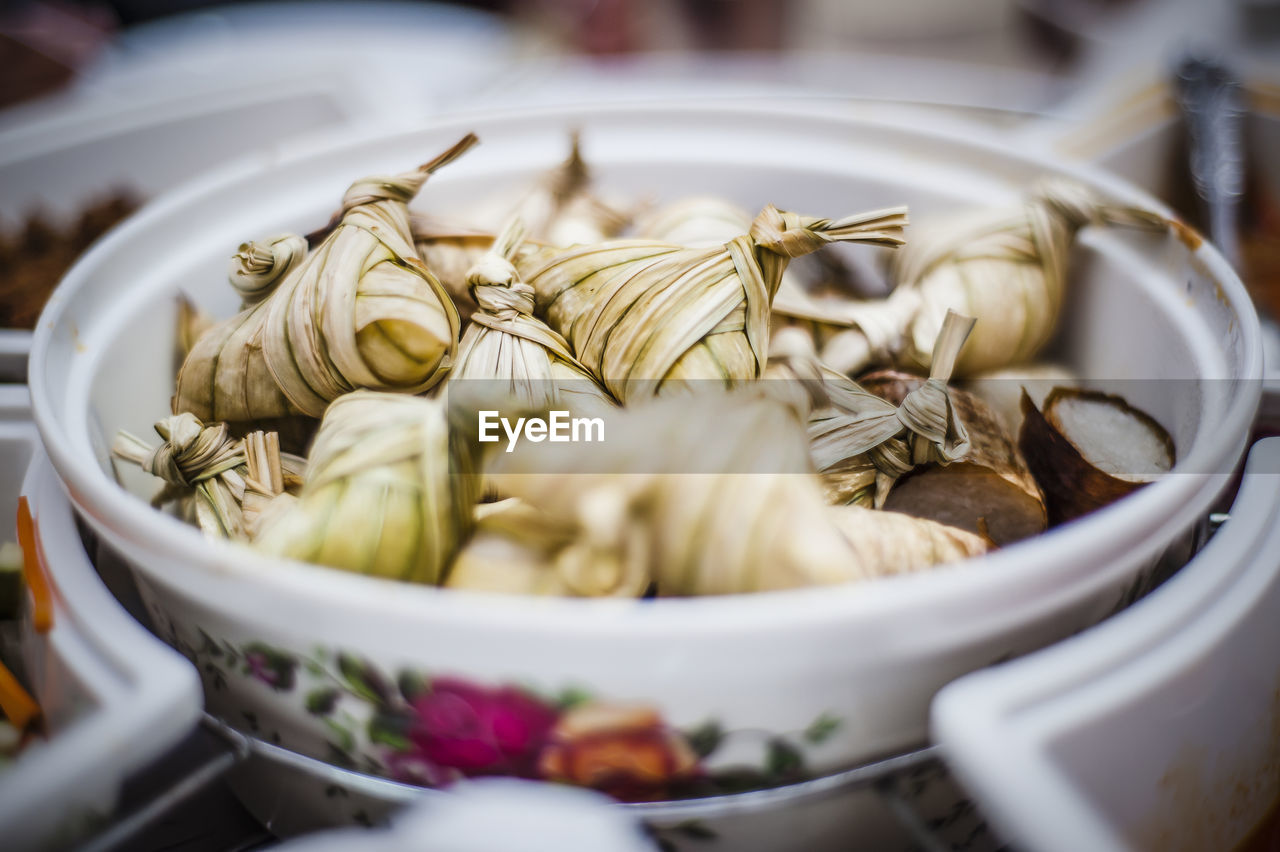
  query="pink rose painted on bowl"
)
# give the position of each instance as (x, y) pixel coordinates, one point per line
(478, 731)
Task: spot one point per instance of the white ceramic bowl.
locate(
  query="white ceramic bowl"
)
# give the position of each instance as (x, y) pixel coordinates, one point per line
(779, 684)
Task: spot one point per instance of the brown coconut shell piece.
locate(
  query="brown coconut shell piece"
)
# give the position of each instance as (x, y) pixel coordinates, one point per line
(989, 492)
(1088, 449)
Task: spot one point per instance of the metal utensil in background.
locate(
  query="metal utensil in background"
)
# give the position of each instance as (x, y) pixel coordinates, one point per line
(1213, 107)
(1214, 110)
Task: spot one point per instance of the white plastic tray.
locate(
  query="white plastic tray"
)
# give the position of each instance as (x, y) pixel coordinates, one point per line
(172, 99)
(114, 697)
(72, 157)
(1155, 730)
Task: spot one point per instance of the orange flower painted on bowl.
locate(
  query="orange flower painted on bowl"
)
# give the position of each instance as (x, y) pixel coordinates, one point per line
(624, 751)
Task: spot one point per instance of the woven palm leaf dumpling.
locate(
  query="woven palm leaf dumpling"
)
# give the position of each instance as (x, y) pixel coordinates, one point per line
(649, 317)
(1007, 267)
(510, 356)
(561, 208)
(359, 311)
(736, 457)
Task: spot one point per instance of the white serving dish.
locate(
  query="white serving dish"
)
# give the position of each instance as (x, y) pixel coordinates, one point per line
(113, 698)
(1156, 730)
(173, 99)
(764, 668)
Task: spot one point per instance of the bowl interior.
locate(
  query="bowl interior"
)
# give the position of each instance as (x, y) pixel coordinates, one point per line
(1168, 327)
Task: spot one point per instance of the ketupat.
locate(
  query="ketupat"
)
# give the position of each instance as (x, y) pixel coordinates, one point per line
(856, 451)
(698, 221)
(507, 357)
(731, 505)
(651, 318)
(854, 436)
(560, 209)
(449, 251)
(1005, 267)
(361, 311)
(197, 461)
(388, 491)
(702, 221)
(563, 208)
(517, 549)
(986, 490)
(209, 473)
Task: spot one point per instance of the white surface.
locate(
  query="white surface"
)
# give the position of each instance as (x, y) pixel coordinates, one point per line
(113, 696)
(1154, 730)
(379, 61)
(1141, 310)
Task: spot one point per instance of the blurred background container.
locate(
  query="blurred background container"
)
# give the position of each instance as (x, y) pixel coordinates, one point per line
(105, 104)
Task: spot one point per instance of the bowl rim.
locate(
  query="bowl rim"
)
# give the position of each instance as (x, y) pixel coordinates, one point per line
(1005, 576)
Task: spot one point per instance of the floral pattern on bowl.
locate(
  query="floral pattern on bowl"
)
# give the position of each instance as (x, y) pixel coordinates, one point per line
(431, 730)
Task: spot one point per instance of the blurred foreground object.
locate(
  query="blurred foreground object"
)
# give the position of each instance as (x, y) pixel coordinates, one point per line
(480, 816)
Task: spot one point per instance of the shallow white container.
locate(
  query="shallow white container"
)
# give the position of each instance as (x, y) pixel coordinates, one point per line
(113, 698)
(66, 159)
(1159, 729)
(1174, 326)
(172, 100)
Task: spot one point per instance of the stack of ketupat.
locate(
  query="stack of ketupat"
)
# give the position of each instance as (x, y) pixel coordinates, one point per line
(721, 453)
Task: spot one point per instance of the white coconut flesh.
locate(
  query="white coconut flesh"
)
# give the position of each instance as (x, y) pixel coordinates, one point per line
(1112, 437)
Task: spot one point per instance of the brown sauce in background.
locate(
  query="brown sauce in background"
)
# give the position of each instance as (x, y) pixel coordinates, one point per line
(1260, 250)
(34, 256)
(1266, 837)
